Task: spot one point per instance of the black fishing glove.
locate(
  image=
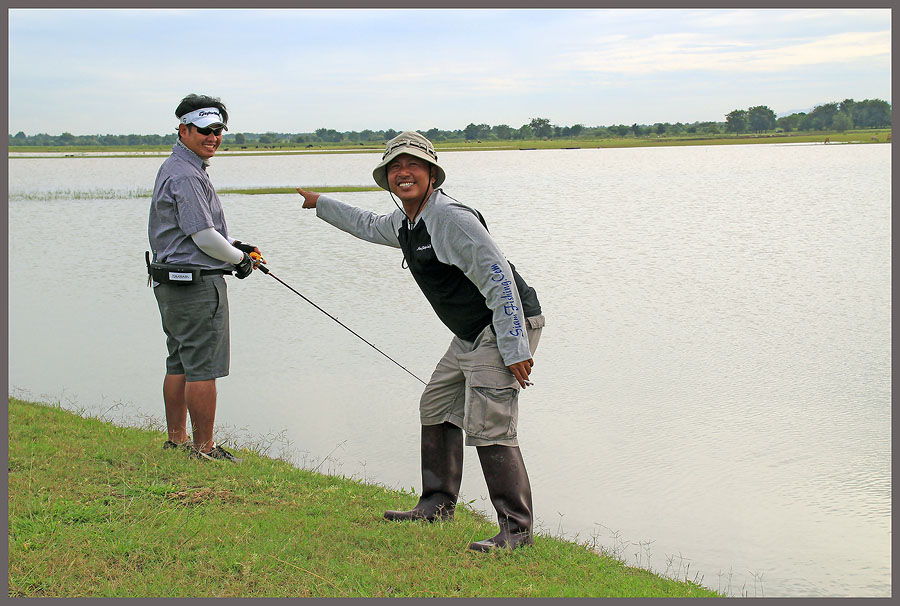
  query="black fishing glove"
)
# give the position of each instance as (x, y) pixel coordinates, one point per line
(247, 248)
(244, 268)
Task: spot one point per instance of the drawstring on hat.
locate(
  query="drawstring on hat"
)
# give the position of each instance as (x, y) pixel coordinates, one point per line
(414, 144)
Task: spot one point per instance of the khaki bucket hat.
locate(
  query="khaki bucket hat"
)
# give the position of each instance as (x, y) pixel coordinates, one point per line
(412, 143)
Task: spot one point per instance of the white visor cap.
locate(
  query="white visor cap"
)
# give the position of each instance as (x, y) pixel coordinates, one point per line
(204, 117)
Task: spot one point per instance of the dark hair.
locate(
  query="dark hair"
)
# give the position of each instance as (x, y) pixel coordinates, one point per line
(193, 102)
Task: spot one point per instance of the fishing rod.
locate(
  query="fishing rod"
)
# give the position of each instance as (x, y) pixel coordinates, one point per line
(258, 260)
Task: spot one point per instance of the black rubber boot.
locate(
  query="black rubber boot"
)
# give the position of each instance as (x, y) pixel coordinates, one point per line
(442, 466)
(510, 492)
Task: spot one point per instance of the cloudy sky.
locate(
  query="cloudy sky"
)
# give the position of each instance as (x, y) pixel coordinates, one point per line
(120, 71)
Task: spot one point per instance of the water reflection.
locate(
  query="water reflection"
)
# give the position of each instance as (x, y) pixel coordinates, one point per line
(713, 387)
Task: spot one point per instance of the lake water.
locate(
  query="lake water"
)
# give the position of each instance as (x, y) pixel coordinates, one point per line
(712, 392)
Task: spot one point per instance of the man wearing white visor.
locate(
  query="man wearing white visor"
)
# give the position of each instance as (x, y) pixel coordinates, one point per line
(496, 321)
(192, 252)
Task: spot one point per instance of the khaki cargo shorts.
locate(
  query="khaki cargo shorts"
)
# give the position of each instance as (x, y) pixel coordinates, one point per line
(472, 388)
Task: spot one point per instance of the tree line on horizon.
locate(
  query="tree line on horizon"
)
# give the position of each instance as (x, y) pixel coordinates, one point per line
(846, 115)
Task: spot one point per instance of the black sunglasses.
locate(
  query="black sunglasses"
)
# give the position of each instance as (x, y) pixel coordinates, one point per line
(206, 130)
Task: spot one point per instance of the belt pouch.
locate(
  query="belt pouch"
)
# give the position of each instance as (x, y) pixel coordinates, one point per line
(172, 273)
(168, 273)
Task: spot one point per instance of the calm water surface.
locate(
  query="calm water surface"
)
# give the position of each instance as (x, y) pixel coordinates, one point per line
(712, 391)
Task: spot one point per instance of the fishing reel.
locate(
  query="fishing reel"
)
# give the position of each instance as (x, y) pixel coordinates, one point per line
(258, 261)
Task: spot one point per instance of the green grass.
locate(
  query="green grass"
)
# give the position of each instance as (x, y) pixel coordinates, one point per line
(99, 510)
(293, 190)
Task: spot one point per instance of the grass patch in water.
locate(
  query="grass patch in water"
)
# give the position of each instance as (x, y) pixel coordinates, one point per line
(293, 190)
(113, 194)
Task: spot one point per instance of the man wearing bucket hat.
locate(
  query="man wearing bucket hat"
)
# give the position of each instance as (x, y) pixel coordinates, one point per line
(496, 320)
(192, 252)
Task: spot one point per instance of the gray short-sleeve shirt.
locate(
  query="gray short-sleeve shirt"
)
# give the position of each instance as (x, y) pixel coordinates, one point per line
(184, 202)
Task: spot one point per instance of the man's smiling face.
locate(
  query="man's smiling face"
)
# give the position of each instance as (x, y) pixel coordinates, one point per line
(409, 178)
(204, 146)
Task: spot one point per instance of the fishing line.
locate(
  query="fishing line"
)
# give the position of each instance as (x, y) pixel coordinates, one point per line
(266, 271)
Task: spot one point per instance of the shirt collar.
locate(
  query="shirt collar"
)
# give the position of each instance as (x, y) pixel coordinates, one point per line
(194, 158)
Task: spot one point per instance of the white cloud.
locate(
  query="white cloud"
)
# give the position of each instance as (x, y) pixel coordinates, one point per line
(705, 52)
(461, 80)
(772, 20)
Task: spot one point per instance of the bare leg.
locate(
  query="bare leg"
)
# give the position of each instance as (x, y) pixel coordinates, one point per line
(176, 409)
(201, 403)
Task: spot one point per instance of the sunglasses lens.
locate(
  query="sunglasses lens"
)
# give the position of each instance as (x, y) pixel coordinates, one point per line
(207, 131)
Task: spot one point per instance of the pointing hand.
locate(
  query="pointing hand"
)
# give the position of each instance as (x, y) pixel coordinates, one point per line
(309, 198)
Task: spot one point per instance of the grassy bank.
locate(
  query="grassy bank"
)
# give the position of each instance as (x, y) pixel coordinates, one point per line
(850, 136)
(101, 510)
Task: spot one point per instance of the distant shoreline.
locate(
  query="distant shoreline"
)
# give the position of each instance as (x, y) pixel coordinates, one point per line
(854, 136)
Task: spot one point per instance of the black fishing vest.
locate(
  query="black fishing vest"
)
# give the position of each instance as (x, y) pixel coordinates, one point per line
(456, 300)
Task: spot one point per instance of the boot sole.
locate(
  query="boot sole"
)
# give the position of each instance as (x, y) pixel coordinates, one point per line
(403, 516)
(488, 546)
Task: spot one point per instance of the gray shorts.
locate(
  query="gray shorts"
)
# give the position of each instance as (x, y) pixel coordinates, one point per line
(472, 388)
(195, 320)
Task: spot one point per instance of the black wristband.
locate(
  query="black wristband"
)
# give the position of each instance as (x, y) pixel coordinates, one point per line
(244, 268)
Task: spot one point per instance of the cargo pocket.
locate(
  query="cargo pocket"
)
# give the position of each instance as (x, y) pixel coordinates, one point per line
(219, 305)
(219, 297)
(493, 404)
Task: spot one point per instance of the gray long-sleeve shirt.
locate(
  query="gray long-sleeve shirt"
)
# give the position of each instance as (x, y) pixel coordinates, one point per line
(457, 264)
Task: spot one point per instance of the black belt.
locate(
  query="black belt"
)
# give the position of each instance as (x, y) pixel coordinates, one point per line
(176, 273)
